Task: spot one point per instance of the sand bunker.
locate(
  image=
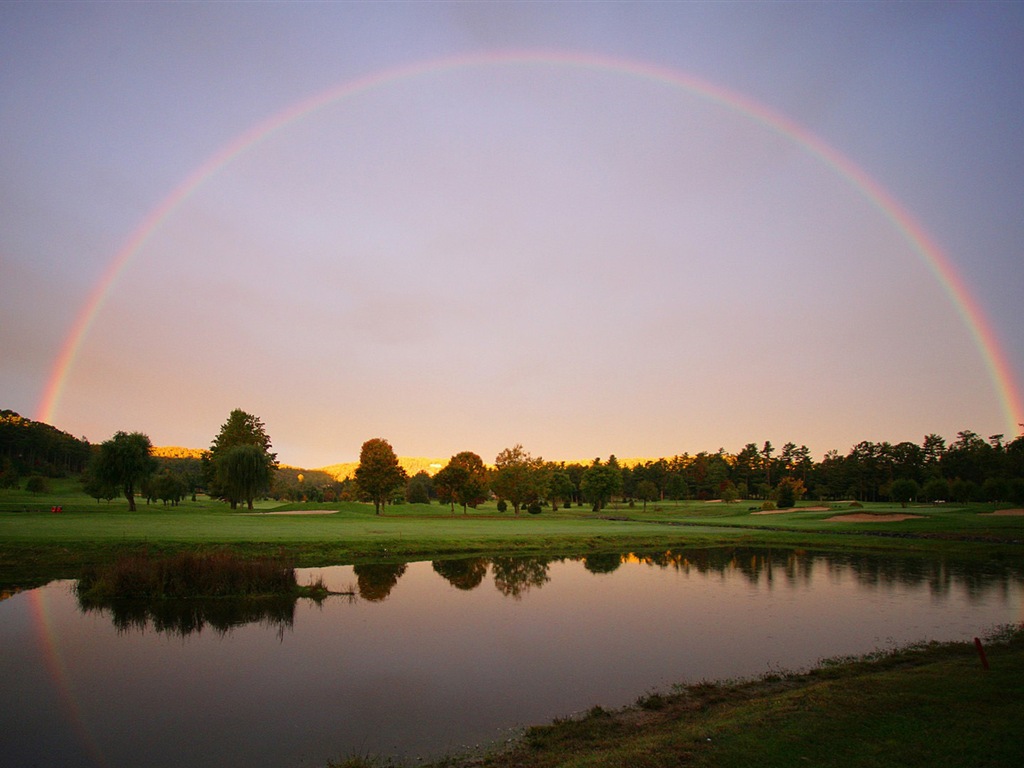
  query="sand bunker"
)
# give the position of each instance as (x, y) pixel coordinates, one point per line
(1006, 513)
(863, 517)
(296, 512)
(792, 509)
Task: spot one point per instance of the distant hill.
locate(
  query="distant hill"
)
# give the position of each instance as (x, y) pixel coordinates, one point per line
(177, 452)
(411, 465)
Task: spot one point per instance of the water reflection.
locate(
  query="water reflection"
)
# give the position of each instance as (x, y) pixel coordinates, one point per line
(188, 616)
(376, 580)
(464, 574)
(426, 657)
(515, 577)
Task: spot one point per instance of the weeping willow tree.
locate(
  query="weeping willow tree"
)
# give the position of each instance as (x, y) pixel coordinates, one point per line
(243, 473)
(124, 462)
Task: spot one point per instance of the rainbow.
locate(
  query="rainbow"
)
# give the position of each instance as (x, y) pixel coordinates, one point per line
(57, 668)
(968, 308)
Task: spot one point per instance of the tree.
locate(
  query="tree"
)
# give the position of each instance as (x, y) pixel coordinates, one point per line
(646, 491)
(125, 462)
(766, 453)
(462, 480)
(789, 492)
(904, 490)
(936, 489)
(378, 474)
(419, 487)
(517, 477)
(97, 488)
(447, 483)
(601, 482)
(241, 475)
(559, 486)
(243, 428)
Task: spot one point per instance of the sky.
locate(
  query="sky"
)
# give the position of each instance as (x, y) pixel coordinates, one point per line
(585, 227)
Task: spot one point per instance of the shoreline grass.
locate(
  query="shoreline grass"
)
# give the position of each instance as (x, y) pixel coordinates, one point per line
(930, 705)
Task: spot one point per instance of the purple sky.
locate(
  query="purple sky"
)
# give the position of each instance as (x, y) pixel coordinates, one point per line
(579, 259)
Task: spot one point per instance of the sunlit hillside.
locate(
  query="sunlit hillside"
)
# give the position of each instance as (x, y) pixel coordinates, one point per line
(411, 465)
(177, 452)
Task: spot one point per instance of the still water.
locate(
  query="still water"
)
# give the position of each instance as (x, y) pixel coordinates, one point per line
(427, 658)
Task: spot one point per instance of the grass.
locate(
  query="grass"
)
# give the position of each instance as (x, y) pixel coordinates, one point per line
(37, 545)
(929, 705)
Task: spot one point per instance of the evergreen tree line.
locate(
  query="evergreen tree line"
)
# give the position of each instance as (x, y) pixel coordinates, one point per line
(30, 448)
(240, 467)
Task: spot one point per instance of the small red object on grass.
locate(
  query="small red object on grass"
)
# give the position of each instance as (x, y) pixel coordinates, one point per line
(981, 652)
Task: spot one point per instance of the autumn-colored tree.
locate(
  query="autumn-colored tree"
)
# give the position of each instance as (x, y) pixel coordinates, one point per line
(462, 480)
(379, 474)
(517, 477)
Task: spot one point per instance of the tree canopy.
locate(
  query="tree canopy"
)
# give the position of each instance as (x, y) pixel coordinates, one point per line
(378, 474)
(124, 462)
(601, 482)
(462, 480)
(242, 464)
(517, 477)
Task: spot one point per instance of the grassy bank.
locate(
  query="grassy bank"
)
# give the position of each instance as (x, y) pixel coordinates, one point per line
(931, 706)
(37, 545)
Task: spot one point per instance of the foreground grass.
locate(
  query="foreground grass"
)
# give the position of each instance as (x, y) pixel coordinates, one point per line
(931, 705)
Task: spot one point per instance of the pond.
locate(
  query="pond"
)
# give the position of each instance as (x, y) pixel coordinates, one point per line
(426, 658)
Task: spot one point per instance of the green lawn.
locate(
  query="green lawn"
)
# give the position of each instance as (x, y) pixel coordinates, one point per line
(37, 545)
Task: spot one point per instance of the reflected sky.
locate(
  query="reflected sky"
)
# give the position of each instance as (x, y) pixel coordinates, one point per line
(431, 657)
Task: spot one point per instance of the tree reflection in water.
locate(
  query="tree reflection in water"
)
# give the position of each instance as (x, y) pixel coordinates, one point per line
(186, 616)
(603, 562)
(376, 580)
(514, 577)
(464, 574)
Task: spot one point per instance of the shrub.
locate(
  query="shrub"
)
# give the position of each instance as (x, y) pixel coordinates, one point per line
(768, 506)
(218, 574)
(534, 508)
(787, 499)
(502, 505)
(37, 484)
